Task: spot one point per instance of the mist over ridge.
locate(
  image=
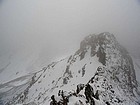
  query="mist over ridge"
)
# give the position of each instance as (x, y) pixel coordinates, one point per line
(60, 25)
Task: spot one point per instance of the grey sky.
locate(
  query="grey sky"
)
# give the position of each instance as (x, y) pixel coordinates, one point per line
(58, 26)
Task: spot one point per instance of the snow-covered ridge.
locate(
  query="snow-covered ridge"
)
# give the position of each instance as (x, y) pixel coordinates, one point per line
(100, 63)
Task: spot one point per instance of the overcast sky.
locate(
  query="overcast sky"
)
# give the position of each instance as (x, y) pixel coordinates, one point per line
(54, 28)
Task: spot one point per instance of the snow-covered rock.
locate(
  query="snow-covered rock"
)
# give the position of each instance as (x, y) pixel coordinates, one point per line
(100, 62)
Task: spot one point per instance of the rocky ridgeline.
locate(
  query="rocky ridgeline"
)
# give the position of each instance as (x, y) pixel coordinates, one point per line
(111, 81)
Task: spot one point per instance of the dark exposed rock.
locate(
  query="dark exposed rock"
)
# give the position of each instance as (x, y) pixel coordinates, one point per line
(83, 70)
(79, 88)
(102, 55)
(97, 44)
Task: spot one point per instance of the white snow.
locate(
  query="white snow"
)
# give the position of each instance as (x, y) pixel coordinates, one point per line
(64, 75)
(137, 68)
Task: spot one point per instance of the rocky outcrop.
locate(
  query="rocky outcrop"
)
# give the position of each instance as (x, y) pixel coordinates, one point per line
(101, 63)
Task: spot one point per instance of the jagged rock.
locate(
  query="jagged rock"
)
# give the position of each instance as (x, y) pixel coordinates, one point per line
(79, 88)
(101, 62)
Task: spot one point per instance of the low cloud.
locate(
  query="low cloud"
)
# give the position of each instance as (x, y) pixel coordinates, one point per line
(56, 27)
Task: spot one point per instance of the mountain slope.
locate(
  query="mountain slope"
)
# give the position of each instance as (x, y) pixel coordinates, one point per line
(100, 72)
(16, 64)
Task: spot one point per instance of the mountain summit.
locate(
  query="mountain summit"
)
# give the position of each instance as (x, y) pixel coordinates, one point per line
(101, 72)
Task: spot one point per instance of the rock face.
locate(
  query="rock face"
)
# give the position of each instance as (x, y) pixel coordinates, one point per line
(101, 72)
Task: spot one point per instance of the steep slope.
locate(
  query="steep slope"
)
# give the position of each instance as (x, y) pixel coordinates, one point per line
(137, 68)
(100, 72)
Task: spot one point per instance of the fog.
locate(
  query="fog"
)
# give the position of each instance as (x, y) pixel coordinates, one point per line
(53, 29)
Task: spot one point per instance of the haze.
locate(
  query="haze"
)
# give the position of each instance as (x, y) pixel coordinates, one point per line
(53, 29)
